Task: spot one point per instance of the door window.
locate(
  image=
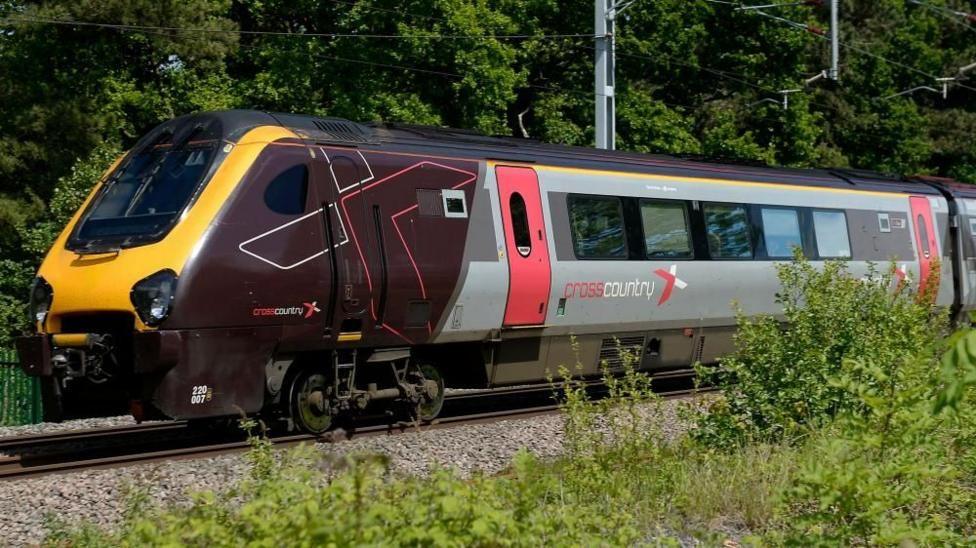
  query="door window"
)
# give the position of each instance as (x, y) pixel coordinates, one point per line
(520, 224)
(924, 236)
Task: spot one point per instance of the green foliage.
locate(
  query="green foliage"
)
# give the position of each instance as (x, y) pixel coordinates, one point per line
(70, 193)
(594, 496)
(898, 468)
(785, 373)
(881, 438)
(19, 394)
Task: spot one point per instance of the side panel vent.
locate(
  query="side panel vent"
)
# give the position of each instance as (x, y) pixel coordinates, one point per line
(429, 202)
(612, 351)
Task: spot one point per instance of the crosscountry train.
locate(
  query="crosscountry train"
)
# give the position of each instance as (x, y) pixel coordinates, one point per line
(302, 267)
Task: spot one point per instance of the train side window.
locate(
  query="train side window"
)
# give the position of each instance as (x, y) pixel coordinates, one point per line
(597, 224)
(830, 228)
(286, 193)
(728, 231)
(666, 233)
(781, 231)
(520, 224)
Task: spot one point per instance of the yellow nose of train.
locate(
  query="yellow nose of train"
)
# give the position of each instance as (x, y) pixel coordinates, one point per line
(99, 273)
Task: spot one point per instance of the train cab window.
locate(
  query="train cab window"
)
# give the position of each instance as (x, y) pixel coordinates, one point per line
(830, 228)
(597, 223)
(286, 193)
(781, 231)
(666, 233)
(520, 224)
(728, 231)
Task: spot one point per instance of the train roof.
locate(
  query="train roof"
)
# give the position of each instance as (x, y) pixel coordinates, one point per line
(471, 144)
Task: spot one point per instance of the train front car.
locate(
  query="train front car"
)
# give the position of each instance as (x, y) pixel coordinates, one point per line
(240, 262)
(108, 286)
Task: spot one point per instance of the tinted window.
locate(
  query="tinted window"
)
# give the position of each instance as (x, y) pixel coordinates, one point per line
(923, 235)
(781, 231)
(665, 229)
(147, 193)
(830, 228)
(520, 224)
(286, 193)
(598, 227)
(728, 231)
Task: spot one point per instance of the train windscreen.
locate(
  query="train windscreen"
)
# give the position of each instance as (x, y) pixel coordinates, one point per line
(150, 188)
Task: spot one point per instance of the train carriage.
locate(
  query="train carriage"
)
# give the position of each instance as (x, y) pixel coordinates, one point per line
(302, 267)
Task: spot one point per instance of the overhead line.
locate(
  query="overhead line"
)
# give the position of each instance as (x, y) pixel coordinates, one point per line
(949, 14)
(862, 51)
(161, 31)
(384, 10)
(434, 72)
(9, 20)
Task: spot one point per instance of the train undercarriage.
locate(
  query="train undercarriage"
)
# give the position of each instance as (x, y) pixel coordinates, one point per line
(85, 375)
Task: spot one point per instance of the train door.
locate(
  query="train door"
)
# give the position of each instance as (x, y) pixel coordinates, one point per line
(526, 246)
(925, 237)
(966, 249)
(340, 190)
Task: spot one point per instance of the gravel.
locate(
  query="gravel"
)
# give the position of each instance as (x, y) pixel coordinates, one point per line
(54, 427)
(98, 496)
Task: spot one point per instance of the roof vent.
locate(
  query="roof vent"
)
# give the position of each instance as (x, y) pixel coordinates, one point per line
(342, 130)
(326, 129)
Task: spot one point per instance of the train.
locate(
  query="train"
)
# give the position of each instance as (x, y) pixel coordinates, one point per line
(307, 268)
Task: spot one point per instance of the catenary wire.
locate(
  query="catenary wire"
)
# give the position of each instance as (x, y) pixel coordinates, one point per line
(858, 49)
(11, 20)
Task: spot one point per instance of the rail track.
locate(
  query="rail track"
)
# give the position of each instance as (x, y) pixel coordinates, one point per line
(121, 446)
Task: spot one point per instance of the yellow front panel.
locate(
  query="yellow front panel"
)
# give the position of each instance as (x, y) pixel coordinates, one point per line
(101, 282)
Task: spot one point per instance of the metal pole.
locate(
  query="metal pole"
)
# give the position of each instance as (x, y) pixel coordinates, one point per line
(834, 73)
(603, 29)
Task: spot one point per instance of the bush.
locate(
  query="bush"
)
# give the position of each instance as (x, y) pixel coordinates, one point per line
(779, 381)
(603, 492)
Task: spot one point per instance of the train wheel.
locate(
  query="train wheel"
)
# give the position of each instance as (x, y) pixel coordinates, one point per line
(311, 408)
(434, 398)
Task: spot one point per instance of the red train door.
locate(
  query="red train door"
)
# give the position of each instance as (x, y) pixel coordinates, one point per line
(526, 245)
(925, 238)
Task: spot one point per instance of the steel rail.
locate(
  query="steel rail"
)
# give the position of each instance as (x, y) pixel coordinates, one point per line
(22, 466)
(87, 434)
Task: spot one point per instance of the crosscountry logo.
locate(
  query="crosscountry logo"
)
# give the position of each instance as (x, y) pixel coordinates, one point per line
(630, 289)
(311, 308)
(306, 311)
(671, 280)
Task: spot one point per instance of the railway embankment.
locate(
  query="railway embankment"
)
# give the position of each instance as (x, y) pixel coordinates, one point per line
(851, 424)
(101, 498)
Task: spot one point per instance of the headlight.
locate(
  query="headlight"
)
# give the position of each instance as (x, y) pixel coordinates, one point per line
(152, 297)
(41, 297)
